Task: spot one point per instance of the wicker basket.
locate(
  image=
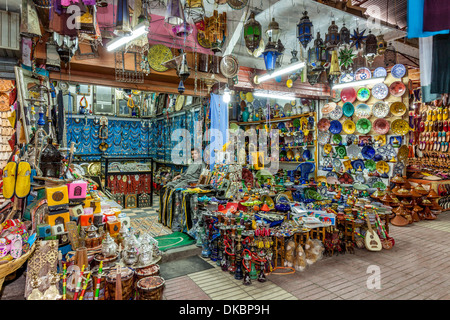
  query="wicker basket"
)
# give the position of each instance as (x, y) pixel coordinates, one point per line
(12, 266)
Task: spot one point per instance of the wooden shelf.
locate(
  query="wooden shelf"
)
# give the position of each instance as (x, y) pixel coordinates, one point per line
(298, 147)
(276, 119)
(296, 162)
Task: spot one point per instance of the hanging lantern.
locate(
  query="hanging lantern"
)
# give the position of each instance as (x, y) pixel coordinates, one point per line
(174, 13)
(271, 53)
(273, 31)
(123, 18)
(195, 10)
(390, 55)
(381, 44)
(371, 44)
(216, 30)
(252, 33)
(316, 54)
(332, 38)
(183, 71)
(334, 68)
(305, 30)
(294, 58)
(344, 35)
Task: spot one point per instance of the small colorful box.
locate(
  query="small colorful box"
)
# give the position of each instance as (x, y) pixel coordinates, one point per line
(57, 229)
(60, 218)
(57, 197)
(44, 230)
(77, 189)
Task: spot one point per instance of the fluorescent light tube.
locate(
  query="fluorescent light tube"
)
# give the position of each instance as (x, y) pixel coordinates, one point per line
(140, 30)
(274, 96)
(288, 69)
(359, 83)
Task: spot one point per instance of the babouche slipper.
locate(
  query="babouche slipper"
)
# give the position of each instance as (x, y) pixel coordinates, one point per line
(9, 179)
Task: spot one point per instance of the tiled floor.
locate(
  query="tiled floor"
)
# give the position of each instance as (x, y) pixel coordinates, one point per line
(415, 268)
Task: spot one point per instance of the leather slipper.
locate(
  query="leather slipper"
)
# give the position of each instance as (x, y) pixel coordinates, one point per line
(23, 181)
(9, 179)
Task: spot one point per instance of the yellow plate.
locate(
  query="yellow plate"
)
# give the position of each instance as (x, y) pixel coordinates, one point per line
(400, 127)
(382, 167)
(158, 54)
(242, 95)
(398, 109)
(349, 126)
(327, 148)
(249, 97)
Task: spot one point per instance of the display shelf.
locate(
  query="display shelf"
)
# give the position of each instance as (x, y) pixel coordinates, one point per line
(309, 114)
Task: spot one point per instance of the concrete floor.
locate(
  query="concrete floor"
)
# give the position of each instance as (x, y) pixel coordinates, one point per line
(415, 268)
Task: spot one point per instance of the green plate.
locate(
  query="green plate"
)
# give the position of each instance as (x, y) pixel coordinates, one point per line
(370, 165)
(348, 109)
(337, 138)
(363, 126)
(341, 151)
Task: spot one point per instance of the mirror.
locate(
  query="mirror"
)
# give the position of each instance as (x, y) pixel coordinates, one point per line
(104, 100)
(83, 89)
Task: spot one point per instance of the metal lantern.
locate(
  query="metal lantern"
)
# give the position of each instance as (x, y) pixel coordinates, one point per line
(371, 44)
(174, 13)
(270, 55)
(344, 35)
(252, 33)
(294, 58)
(381, 44)
(317, 54)
(305, 30)
(332, 38)
(390, 55)
(273, 31)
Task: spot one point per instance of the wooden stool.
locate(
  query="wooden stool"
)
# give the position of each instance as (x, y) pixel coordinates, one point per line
(301, 238)
(318, 233)
(279, 251)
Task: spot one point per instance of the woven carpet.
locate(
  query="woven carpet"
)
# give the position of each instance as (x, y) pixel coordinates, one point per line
(150, 225)
(174, 240)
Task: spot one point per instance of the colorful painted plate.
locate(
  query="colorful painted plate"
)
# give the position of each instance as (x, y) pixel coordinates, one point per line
(363, 94)
(335, 127)
(348, 126)
(347, 77)
(379, 72)
(380, 91)
(337, 113)
(397, 89)
(398, 109)
(323, 137)
(382, 167)
(363, 126)
(368, 152)
(370, 165)
(381, 126)
(323, 124)
(329, 107)
(348, 95)
(353, 151)
(380, 109)
(348, 109)
(336, 95)
(363, 74)
(363, 111)
(398, 71)
(400, 127)
(358, 164)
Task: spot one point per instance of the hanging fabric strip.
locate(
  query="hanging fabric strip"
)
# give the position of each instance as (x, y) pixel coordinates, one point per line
(440, 71)
(415, 16)
(426, 59)
(436, 15)
(219, 123)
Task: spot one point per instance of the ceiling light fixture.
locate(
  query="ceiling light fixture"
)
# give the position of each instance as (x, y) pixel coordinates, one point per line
(293, 67)
(140, 30)
(360, 83)
(279, 96)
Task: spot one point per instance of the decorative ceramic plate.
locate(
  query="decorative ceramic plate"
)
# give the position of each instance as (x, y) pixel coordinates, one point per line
(363, 111)
(397, 89)
(337, 165)
(337, 113)
(363, 74)
(229, 66)
(348, 95)
(347, 77)
(323, 137)
(157, 54)
(323, 124)
(249, 96)
(353, 151)
(337, 139)
(398, 109)
(400, 127)
(382, 167)
(329, 107)
(379, 185)
(348, 109)
(348, 126)
(380, 109)
(379, 72)
(381, 126)
(335, 127)
(380, 91)
(340, 150)
(398, 71)
(336, 95)
(242, 95)
(368, 152)
(363, 126)
(363, 94)
(370, 165)
(358, 164)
